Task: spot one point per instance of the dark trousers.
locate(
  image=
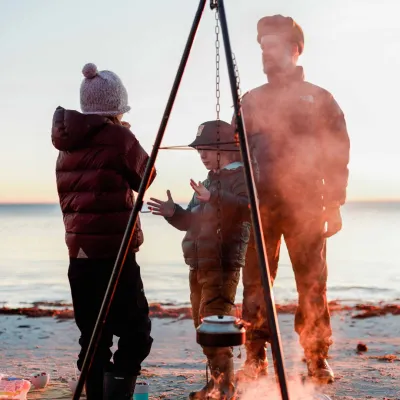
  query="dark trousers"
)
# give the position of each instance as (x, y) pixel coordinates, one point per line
(128, 317)
(302, 230)
(206, 285)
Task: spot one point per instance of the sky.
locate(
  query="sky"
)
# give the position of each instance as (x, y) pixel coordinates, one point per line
(352, 49)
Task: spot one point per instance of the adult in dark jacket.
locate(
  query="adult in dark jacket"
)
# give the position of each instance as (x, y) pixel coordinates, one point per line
(100, 163)
(300, 147)
(217, 228)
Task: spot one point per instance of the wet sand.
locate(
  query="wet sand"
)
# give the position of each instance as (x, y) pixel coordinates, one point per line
(176, 365)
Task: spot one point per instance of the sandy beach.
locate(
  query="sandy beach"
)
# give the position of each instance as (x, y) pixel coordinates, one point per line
(176, 365)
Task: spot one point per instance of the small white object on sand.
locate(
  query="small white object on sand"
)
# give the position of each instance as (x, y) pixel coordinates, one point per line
(41, 380)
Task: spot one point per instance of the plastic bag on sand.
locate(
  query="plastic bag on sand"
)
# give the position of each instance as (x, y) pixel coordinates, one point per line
(14, 389)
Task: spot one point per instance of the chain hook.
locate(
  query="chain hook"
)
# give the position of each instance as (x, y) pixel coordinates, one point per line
(213, 4)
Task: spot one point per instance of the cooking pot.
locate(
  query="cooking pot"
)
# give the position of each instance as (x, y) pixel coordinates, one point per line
(221, 331)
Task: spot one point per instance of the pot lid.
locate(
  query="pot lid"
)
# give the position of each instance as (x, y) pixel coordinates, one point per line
(220, 319)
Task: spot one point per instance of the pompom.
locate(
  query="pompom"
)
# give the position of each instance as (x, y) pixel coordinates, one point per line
(89, 71)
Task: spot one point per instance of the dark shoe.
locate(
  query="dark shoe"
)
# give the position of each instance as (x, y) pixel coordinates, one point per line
(118, 386)
(320, 370)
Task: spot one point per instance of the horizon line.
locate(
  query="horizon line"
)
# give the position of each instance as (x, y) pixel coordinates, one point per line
(49, 203)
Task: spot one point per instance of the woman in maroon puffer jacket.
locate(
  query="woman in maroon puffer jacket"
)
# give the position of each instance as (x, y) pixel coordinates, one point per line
(99, 165)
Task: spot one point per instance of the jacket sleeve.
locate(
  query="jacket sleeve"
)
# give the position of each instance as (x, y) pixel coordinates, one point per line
(234, 201)
(135, 160)
(335, 154)
(182, 219)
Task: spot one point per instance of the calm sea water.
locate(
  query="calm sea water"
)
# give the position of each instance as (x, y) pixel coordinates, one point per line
(363, 258)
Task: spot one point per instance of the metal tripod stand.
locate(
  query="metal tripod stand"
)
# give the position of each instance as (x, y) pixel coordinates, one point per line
(255, 214)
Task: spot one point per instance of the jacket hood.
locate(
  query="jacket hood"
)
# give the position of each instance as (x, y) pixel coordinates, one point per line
(72, 129)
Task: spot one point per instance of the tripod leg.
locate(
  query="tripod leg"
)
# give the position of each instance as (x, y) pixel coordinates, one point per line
(255, 214)
(97, 332)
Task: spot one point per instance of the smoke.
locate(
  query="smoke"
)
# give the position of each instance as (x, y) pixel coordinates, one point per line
(267, 389)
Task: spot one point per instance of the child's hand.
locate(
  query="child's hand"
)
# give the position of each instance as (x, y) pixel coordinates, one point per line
(203, 194)
(163, 208)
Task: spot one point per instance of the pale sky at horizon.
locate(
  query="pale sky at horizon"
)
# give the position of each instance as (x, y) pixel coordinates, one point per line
(352, 49)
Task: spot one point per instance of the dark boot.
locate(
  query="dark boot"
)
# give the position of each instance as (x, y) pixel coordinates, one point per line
(94, 385)
(221, 385)
(319, 369)
(118, 386)
(227, 378)
(256, 364)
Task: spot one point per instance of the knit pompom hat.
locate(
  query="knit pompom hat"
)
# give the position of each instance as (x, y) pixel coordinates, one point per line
(102, 92)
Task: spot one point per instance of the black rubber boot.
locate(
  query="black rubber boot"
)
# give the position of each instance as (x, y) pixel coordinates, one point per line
(94, 385)
(118, 386)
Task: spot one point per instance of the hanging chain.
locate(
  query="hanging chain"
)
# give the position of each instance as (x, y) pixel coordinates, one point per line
(239, 93)
(217, 60)
(217, 107)
(214, 5)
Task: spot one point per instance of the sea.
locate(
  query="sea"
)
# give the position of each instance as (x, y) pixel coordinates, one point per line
(363, 258)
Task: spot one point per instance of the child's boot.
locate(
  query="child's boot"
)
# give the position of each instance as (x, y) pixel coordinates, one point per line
(226, 384)
(118, 386)
(204, 392)
(221, 385)
(256, 364)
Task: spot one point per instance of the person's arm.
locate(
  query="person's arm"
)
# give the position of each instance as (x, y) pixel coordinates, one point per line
(335, 154)
(181, 219)
(135, 160)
